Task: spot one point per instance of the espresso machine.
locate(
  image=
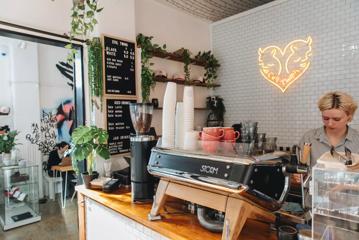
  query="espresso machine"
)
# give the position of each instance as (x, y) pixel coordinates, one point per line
(142, 183)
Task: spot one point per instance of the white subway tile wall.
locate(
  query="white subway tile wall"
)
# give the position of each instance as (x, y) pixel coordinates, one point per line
(334, 28)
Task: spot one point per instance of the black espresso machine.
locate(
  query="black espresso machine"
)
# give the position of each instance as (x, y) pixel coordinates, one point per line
(265, 180)
(238, 186)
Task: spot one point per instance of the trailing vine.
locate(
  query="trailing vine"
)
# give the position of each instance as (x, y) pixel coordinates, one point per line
(211, 66)
(187, 61)
(95, 68)
(147, 75)
(83, 22)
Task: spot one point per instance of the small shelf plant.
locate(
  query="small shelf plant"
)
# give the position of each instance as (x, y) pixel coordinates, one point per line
(211, 66)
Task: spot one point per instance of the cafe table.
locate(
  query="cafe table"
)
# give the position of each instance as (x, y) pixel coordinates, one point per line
(61, 169)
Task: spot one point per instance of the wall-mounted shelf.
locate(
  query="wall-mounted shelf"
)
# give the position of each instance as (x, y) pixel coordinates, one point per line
(175, 57)
(181, 82)
(160, 108)
(4, 114)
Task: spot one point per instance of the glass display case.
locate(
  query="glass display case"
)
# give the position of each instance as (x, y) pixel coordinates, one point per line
(19, 198)
(335, 203)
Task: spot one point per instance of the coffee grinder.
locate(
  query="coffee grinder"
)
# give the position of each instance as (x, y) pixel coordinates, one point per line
(142, 183)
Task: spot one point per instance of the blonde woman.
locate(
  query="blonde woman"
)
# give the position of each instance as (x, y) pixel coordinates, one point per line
(338, 109)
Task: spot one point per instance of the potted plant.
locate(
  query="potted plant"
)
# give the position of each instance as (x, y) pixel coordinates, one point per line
(7, 143)
(147, 75)
(211, 66)
(217, 109)
(87, 143)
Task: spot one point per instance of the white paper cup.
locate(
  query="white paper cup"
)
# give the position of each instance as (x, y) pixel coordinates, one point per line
(191, 141)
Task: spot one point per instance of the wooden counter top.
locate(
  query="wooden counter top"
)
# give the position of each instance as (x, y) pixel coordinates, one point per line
(174, 226)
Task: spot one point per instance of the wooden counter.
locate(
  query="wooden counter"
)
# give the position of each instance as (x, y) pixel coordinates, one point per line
(174, 226)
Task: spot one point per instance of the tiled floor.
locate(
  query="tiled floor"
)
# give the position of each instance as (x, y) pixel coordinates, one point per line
(56, 223)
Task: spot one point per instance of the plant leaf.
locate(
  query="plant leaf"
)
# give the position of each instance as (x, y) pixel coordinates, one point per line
(102, 151)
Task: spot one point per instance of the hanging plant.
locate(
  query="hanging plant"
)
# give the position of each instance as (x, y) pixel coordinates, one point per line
(186, 61)
(211, 66)
(147, 74)
(83, 22)
(185, 54)
(95, 67)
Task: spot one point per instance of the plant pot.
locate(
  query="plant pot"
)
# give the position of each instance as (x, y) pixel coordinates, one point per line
(6, 158)
(88, 178)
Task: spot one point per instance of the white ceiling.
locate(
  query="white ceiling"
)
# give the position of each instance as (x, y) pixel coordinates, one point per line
(214, 10)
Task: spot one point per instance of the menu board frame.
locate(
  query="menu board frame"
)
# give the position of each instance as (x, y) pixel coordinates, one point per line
(106, 99)
(114, 95)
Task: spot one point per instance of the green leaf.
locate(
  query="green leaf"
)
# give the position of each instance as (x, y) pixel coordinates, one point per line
(103, 151)
(81, 135)
(103, 137)
(68, 46)
(90, 14)
(81, 6)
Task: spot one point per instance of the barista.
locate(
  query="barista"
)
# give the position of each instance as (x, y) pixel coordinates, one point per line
(337, 109)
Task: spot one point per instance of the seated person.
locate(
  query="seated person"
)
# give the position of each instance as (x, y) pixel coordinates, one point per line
(57, 157)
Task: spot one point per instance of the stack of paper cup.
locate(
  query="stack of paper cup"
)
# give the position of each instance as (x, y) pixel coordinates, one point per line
(191, 140)
(168, 116)
(179, 133)
(188, 109)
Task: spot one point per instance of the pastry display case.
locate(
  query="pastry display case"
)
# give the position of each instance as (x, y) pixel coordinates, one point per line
(335, 203)
(19, 198)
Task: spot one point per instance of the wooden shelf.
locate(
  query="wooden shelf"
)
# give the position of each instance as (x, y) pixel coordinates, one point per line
(181, 82)
(175, 57)
(160, 108)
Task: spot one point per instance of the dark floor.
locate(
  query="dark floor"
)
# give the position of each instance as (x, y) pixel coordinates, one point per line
(56, 223)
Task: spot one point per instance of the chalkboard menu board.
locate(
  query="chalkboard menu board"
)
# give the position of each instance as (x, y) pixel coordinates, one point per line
(119, 125)
(119, 66)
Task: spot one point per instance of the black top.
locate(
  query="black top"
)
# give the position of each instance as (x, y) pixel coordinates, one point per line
(54, 160)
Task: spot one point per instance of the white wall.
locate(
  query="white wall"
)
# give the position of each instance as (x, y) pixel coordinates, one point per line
(333, 25)
(52, 16)
(53, 85)
(176, 29)
(26, 94)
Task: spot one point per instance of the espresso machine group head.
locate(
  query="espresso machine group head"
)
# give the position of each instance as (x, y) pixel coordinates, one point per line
(142, 183)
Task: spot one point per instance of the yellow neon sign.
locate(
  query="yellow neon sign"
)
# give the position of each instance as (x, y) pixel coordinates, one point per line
(282, 68)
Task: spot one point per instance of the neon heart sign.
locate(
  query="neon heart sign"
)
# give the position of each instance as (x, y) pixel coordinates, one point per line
(283, 67)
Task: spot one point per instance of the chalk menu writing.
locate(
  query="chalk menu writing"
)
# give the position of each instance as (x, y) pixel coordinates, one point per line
(119, 69)
(119, 125)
